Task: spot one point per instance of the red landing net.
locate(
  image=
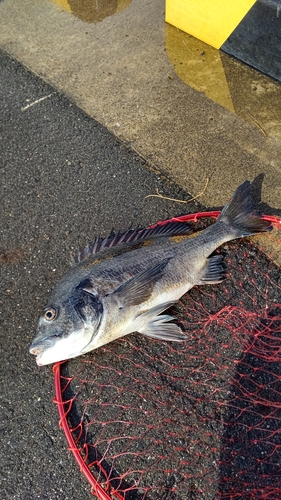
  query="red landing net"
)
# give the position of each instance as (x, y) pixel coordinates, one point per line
(201, 420)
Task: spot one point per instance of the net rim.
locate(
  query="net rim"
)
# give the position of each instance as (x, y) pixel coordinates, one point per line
(96, 488)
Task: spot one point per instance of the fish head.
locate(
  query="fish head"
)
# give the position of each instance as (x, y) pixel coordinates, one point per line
(67, 326)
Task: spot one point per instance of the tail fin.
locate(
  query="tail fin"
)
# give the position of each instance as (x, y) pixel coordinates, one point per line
(239, 214)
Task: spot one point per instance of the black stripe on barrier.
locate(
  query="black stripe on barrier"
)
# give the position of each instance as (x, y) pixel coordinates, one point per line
(257, 39)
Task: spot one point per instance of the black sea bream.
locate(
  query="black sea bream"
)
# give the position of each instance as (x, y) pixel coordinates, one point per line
(123, 283)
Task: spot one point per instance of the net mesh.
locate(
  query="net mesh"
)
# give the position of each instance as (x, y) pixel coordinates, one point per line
(150, 420)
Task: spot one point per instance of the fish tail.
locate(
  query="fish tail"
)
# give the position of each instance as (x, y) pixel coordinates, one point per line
(239, 216)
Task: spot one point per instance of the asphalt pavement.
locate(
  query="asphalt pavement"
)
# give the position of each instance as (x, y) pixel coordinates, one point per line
(64, 179)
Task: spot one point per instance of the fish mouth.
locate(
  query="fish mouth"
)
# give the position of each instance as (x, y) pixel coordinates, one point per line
(38, 353)
(38, 348)
(38, 361)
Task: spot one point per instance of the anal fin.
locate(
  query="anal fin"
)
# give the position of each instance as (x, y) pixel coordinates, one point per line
(214, 271)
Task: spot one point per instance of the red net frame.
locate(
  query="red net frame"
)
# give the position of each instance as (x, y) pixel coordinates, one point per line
(265, 347)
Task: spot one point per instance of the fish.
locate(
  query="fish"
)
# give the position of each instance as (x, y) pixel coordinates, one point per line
(123, 283)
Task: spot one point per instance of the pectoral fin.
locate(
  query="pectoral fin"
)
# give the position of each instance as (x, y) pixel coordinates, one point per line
(139, 288)
(158, 327)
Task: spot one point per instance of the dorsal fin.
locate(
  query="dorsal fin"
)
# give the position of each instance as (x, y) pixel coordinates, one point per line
(131, 236)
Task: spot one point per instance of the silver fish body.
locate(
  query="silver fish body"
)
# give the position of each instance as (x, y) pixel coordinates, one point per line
(123, 284)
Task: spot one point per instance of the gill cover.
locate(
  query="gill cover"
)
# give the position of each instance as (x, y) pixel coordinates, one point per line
(87, 305)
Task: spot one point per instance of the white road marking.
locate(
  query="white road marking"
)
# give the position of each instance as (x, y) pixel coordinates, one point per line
(36, 102)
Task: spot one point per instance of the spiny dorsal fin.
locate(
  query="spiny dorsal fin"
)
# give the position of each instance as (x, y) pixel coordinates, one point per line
(131, 236)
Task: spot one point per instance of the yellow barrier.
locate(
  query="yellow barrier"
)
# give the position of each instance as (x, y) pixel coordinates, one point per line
(209, 20)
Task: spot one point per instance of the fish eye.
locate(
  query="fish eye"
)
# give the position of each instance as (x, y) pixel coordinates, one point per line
(50, 314)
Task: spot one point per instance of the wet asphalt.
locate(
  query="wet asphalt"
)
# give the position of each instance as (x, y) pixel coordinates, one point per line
(64, 179)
